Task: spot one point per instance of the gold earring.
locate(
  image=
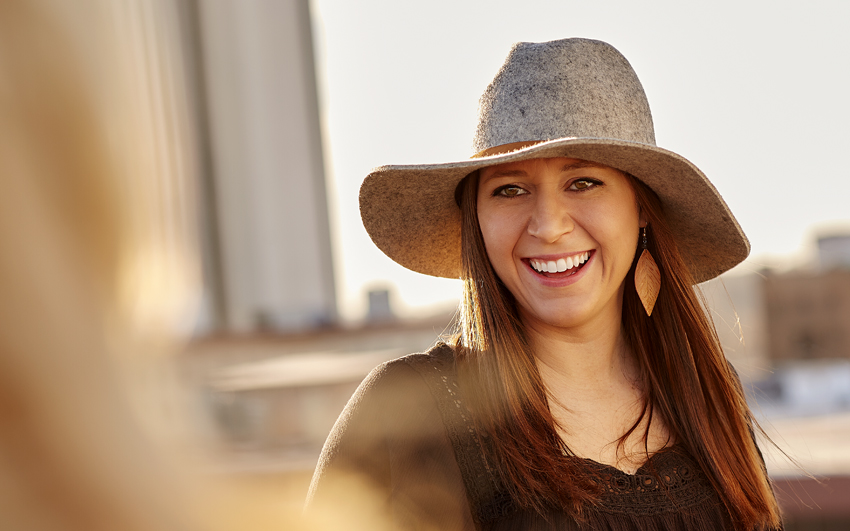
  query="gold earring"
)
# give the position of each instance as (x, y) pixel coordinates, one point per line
(647, 278)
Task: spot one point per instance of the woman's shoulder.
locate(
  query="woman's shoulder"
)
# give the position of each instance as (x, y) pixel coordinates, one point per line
(440, 356)
(439, 359)
(397, 391)
(392, 437)
(412, 372)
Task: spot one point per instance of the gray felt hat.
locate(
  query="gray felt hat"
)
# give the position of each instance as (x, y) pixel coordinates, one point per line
(575, 98)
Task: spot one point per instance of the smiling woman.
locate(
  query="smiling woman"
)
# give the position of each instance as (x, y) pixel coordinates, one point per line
(566, 398)
(551, 211)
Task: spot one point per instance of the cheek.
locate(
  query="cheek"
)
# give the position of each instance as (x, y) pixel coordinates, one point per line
(621, 233)
(500, 237)
(490, 231)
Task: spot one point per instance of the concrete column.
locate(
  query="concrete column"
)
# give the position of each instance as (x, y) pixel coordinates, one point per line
(267, 165)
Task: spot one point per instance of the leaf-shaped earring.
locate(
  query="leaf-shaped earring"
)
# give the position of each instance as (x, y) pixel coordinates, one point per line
(647, 278)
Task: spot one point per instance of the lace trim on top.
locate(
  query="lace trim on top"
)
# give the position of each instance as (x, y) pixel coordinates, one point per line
(669, 481)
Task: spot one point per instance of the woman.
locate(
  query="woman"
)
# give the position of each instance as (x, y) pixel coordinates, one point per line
(585, 387)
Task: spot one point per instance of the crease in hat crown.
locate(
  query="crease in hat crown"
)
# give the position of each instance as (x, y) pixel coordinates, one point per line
(572, 88)
(576, 98)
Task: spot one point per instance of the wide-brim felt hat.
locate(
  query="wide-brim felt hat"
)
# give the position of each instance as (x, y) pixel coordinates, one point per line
(575, 98)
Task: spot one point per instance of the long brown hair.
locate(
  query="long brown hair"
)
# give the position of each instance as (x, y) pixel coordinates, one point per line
(686, 378)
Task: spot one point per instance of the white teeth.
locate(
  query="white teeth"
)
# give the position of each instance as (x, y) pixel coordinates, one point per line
(561, 265)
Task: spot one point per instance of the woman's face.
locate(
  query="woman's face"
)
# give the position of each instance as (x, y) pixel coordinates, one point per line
(561, 235)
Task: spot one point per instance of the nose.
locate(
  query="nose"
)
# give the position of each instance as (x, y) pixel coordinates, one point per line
(550, 218)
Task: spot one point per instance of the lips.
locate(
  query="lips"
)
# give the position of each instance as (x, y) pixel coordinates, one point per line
(567, 265)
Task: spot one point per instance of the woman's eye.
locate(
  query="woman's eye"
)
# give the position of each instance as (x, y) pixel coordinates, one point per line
(584, 184)
(509, 191)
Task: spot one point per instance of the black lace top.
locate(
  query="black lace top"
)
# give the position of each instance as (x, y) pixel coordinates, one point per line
(407, 432)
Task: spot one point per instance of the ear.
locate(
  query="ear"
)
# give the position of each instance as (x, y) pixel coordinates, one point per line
(642, 223)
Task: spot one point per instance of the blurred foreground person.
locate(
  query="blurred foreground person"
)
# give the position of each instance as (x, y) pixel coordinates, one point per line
(97, 277)
(73, 455)
(585, 387)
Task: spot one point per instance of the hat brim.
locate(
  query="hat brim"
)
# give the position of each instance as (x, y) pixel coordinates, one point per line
(410, 212)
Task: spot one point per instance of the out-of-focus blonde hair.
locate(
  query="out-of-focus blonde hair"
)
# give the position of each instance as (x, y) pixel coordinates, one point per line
(98, 280)
(96, 259)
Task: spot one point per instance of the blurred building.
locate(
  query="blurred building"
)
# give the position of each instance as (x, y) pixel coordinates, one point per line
(269, 401)
(768, 318)
(264, 229)
(736, 304)
(808, 314)
(271, 365)
(809, 311)
(834, 252)
(788, 332)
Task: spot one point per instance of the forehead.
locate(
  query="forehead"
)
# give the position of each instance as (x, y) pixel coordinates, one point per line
(529, 165)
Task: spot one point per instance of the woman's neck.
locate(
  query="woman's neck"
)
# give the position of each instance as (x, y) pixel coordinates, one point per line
(583, 362)
(596, 396)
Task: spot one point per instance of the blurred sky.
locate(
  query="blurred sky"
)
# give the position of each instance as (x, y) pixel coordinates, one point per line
(754, 93)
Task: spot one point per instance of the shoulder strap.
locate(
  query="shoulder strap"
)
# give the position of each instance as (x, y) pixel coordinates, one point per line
(487, 496)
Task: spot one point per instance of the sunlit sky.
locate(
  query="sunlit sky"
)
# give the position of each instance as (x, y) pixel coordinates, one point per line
(754, 93)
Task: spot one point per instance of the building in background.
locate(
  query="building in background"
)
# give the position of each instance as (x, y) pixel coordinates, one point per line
(736, 305)
(269, 401)
(265, 229)
(271, 365)
(834, 252)
(808, 315)
(788, 332)
(770, 318)
(809, 311)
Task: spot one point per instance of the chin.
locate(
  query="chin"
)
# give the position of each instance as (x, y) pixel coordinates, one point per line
(565, 318)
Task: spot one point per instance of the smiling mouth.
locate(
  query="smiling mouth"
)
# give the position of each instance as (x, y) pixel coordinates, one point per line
(560, 267)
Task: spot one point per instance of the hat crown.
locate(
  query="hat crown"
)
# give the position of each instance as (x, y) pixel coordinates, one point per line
(568, 88)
